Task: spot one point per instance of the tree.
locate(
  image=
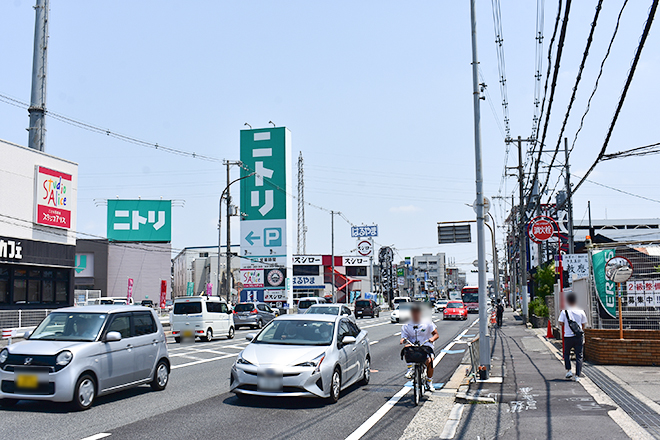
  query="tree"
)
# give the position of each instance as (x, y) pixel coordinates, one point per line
(545, 280)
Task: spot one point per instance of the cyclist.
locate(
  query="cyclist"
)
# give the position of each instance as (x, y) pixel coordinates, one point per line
(424, 333)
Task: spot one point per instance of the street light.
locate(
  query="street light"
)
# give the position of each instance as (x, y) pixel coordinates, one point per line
(222, 196)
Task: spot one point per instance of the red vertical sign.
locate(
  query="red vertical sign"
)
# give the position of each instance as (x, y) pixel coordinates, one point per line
(129, 294)
(163, 294)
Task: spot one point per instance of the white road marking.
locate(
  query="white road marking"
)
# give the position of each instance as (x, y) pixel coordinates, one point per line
(174, 367)
(371, 421)
(373, 342)
(397, 334)
(374, 325)
(98, 436)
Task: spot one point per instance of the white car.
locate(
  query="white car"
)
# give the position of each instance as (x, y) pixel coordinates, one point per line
(330, 309)
(202, 317)
(401, 313)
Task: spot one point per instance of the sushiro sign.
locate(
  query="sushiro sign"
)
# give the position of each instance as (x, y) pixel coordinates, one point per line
(140, 220)
(266, 232)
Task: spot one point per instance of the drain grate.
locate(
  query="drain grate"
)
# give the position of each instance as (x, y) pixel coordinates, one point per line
(640, 412)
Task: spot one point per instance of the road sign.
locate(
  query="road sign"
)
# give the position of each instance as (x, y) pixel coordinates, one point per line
(139, 220)
(454, 233)
(541, 228)
(618, 269)
(365, 247)
(266, 234)
(364, 231)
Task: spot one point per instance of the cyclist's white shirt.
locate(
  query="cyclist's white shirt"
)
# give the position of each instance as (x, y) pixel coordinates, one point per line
(418, 333)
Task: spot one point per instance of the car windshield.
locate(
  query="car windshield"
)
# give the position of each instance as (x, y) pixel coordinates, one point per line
(244, 307)
(404, 306)
(187, 308)
(442, 301)
(296, 332)
(319, 310)
(362, 304)
(305, 304)
(70, 327)
(455, 305)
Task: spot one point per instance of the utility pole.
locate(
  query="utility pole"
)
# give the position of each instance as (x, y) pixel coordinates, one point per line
(37, 109)
(484, 342)
(302, 228)
(591, 226)
(569, 200)
(332, 246)
(228, 278)
(522, 232)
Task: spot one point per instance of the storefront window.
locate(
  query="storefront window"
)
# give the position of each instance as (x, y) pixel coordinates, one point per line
(61, 291)
(34, 291)
(34, 273)
(48, 274)
(61, 275)
(49, 291)
(20, 290)
(4, 291)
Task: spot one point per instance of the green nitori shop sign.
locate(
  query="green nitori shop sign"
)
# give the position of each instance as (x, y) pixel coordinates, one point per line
(140, 220)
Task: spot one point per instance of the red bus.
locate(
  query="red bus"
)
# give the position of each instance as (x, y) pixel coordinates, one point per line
(470, 296)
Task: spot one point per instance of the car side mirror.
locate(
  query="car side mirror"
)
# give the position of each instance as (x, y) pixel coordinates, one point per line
(27, 334)
(229, 312)
(346, 340)
(250, 336)
(113, 337)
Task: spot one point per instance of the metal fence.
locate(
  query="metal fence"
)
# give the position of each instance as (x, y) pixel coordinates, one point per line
(473, 348)
(640, 296)
(10, 319)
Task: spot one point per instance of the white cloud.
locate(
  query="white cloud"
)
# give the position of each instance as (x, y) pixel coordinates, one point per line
(405, 208)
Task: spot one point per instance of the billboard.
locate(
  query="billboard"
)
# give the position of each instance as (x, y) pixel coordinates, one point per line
(266, 232)
(52, 207)
(140, 220)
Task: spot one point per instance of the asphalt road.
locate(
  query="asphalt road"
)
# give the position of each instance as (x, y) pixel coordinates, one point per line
(197, 403)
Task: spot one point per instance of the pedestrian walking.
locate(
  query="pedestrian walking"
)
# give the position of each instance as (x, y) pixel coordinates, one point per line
(499, 311)
(573, 320)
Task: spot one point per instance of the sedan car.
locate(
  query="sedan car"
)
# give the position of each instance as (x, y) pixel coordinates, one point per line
(253, 314)
(330, 309)
(441, 304)
(303, 356)
(401, 312)
(455, 310)
(79, 353)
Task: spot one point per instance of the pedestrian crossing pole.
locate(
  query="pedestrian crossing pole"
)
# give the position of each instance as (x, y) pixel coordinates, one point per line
(484, 343)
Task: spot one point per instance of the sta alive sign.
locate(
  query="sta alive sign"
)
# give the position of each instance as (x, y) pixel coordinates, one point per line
(541, 229)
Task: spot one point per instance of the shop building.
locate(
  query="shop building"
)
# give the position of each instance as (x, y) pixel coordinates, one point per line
(38, 196)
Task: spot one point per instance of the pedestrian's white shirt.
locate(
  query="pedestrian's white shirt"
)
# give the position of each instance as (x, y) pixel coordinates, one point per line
(418, 333)
(576, 315)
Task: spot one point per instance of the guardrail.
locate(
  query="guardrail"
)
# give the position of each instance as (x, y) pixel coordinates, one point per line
(10, 319)
(473, 348)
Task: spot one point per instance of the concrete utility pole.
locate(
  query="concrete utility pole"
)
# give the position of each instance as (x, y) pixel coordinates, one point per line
(332, 250)
(37, 109)
(496, 262)
(228, 278)
(225, 193)
(523, 232)
(484, 342)
(569, 201)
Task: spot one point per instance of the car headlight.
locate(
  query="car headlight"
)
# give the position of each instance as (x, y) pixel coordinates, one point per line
(4, 354)
(241, 360)
(64, 358)
(316, 362)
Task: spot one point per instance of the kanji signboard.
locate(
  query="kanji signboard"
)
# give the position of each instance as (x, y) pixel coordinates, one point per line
(364, 231)
(53, 192)
(266, 235)
(139, 220)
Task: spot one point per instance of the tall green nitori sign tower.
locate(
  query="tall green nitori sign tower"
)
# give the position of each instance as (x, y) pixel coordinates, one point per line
(266, 209)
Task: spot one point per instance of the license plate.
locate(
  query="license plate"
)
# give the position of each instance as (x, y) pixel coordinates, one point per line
(359, 312)
(269, 380)
(27, 381)
(187, 333)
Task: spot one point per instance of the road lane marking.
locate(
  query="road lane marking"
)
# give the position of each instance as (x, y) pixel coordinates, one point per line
(174, 367)
(373, 342)
(97, 436)
(397, 334)
(374, 325)
(371, 421)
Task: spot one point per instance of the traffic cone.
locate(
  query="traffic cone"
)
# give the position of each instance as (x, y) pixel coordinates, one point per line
(550, 335)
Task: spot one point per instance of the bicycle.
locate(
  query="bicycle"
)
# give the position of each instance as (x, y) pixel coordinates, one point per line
(416, 355)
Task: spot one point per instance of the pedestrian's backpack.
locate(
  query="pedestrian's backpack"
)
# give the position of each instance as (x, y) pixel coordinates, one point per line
(575, 327)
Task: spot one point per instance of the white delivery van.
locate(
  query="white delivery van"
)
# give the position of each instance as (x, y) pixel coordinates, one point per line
(306, 303)
(201, 317)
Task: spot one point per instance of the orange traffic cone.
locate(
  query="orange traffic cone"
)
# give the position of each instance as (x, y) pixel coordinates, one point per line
(550, 335)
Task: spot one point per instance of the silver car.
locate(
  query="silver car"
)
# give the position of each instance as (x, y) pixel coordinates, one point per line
(303, 356)
(79, 353)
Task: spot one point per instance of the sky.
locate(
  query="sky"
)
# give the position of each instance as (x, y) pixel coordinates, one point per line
(377, 95)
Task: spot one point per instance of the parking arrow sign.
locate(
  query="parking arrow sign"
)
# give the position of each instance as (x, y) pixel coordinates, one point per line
(251, 237)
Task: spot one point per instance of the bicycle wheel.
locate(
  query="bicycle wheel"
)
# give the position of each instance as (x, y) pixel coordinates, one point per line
(417, 389)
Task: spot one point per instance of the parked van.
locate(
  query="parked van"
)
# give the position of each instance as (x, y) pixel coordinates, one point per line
(306, 303)
(201, 317)
(110, 301)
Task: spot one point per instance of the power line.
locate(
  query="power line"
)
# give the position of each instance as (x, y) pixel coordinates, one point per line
(501, 65)
(619, 190)
(585, 55)
(538, 57)
(646, 150)
(631, 74)
(553, 85)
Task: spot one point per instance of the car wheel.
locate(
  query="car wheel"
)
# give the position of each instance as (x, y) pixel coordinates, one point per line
(177, 339)
(161, 376)
(366, 375)
(230, 335)
(260, 324)
(397, 320)
(209, 335)
(335, 386)
(378, 315)
(84, 393)
(8, 403)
